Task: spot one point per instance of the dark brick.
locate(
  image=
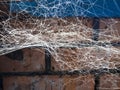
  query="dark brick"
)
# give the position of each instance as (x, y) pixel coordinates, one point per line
(49, 83)
(33, 60)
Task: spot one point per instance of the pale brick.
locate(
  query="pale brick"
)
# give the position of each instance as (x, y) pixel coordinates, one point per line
(81, 28)
(109, 82)
(109, 30)
(85, 58)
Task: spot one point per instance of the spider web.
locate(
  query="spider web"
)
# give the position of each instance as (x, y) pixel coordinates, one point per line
(56, 26)
(44, 27)
(60, 27)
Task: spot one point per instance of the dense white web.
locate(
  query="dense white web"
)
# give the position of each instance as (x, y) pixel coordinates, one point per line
(60, 27)
(56, 26)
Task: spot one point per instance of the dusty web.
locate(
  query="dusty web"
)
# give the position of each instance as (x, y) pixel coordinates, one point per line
(60, 27)
(56, 26)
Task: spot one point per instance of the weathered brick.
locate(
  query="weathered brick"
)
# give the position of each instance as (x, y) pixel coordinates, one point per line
(109, 82)
(67, 30)
(79, 83)
(33, 60)
(85, 58)
(49, 83)
(109, 30)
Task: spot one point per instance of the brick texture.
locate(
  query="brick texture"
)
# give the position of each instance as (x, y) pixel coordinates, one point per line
(85, 58)
(49, 83)
(33, 60)
(109, 82)
(109, 30)
(58, 28)
(64, 59)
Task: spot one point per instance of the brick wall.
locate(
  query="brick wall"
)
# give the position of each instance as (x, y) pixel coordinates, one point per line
(37, 69)
(33, 72)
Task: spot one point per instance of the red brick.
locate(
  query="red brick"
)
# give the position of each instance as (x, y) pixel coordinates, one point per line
(85, 58)
(109, 30)
(109, 82)
(79, 83)
(49, 83)
(34, 60)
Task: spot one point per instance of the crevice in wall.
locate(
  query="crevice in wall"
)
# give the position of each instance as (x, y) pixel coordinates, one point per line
(1, 83)
(16, 55)
(96, 31)
(47, 61)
